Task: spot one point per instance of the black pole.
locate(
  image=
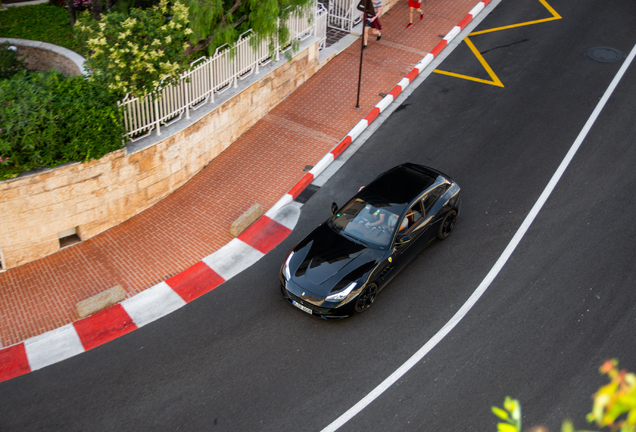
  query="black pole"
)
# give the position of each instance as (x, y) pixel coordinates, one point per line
(364, 26)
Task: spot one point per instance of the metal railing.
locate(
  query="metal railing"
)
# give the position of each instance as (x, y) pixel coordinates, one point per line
(343, 14)
(320, 27)
(214, 75)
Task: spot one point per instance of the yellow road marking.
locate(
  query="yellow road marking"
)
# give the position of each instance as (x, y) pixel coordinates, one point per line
(555, 16)
(494, 79)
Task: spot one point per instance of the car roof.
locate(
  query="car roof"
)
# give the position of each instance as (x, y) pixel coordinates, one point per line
(399, 185)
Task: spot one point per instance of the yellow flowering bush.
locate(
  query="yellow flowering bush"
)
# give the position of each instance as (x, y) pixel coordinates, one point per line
(614, 405)
(139, 53)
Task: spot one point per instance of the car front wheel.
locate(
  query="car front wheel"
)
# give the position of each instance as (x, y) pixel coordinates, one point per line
(366, 297)
(448, 224)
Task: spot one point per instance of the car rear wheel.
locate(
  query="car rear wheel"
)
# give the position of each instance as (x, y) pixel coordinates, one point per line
(448, 224)
(366, 297)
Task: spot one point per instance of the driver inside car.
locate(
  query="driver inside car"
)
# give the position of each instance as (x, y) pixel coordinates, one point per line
(379, 217)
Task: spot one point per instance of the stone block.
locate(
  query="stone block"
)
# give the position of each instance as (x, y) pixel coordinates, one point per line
(158, 190)
(58, 181)
(28, 224)
(147, 160)
(96, 227)
(100, 301)
(265, 82)
(136, 200)
(246, 219)
(175, 167)
(77, 190)
(44, 199)
(127, 172)
(153, 177)
(178, 179)
(18, 256)
(118, 162)
(90, 170)
(14, 207)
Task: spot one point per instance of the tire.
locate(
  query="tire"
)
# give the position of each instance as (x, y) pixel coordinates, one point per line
(366, 298)
(447, 225)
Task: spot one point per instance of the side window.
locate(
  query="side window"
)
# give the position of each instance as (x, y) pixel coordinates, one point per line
(433, 196)
(416, 212)
(412, 217)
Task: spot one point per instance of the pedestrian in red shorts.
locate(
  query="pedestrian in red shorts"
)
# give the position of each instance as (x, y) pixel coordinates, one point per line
(412, 6)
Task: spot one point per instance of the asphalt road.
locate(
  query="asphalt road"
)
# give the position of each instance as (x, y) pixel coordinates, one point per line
(241, 358)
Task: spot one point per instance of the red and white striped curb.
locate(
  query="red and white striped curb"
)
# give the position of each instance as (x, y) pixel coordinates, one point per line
(380, 107)
(155, 302)
(168, 296)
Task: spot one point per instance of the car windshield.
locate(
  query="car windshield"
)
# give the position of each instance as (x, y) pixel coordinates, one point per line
(370, 223)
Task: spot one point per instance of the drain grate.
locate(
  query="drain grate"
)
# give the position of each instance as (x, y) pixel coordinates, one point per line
(605, 54)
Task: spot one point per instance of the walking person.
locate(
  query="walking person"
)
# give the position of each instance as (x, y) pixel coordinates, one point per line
(373, 22)
(414, 5)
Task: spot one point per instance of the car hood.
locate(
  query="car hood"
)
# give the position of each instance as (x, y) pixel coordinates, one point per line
(326, 262)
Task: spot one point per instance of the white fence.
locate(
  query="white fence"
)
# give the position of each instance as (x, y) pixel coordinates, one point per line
(214, 75)
(343, 14)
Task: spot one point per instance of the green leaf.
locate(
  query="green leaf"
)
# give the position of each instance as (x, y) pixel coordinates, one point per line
(500, 413)
(567, 426)
(509, 404)
(506, 427)
(631, 417)
(614, 412)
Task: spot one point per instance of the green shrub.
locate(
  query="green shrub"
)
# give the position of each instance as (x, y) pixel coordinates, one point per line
(43, 22)
(140, 52)
(48, 119)
(9, 62)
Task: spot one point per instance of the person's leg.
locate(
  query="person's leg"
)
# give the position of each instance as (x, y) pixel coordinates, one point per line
(366, 35)
(410, 15)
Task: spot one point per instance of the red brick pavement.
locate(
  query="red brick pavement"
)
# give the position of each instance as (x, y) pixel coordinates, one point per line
(261, 166)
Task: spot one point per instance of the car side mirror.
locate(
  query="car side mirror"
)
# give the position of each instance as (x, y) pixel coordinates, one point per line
(403, 239)
(334, 208)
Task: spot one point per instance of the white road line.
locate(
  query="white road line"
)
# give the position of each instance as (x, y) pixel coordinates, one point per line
(459, 315)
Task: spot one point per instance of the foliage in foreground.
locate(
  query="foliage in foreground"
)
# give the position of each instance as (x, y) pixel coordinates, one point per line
(614, 405)
(47, 119)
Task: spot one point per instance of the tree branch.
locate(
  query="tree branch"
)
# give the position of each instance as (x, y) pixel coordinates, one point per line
(201, 45)
(71, 11)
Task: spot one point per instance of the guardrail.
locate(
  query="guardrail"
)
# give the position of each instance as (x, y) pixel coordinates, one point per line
(214, 75)
(343, 14)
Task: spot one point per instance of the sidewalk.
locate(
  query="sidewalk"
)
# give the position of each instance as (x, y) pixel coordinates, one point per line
(260, 167)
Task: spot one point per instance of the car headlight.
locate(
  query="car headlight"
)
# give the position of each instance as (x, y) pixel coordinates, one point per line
(286, 271)
(341, 295)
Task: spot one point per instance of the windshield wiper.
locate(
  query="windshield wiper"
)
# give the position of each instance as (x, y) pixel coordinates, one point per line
(337, 229)
(354, 239)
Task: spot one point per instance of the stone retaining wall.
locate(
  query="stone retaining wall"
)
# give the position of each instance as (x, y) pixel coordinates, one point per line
(93, 197)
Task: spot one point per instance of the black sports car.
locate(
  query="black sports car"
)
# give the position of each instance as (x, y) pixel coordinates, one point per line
(341, 266)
